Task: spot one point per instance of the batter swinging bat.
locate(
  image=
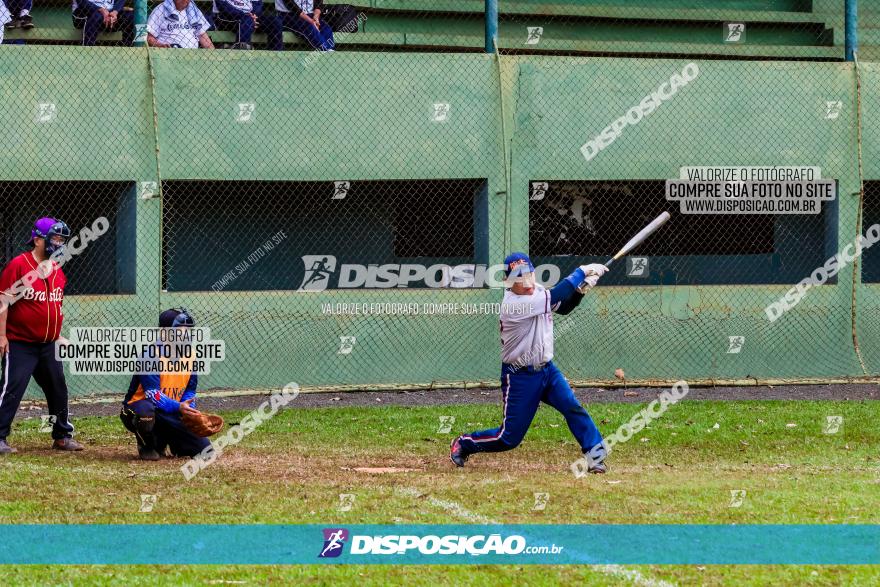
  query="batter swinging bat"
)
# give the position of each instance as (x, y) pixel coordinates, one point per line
(639, 238)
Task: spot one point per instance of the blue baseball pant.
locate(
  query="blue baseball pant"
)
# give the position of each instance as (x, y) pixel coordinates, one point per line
(243, 26)
(321, 40)
(523, 389)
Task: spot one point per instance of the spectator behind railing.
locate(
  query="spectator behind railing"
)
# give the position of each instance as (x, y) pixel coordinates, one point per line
(244, 17)
(20, 10)
(4, 18)
(94, 16)
(180, 24)
(303, 17)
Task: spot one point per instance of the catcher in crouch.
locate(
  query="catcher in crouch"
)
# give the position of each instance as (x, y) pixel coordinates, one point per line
(156, 404)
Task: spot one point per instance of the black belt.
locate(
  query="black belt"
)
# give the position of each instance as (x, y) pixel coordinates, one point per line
(528, 368)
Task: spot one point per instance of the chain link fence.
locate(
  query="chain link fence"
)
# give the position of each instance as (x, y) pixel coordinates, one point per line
(335, 217)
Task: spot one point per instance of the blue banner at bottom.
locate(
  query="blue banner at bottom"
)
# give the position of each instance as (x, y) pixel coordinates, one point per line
(440, 544)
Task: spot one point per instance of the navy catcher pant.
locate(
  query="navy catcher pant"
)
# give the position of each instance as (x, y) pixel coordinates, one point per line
(155, 429)
(523, 389)
(33, 359)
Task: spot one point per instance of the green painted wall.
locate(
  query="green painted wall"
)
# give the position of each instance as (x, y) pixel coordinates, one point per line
(368, 116)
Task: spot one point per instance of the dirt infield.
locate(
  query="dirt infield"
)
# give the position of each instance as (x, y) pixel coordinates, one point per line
(110, 406)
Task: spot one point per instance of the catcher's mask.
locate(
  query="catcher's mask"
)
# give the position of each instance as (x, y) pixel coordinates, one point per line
(55, 233)
(175, 318)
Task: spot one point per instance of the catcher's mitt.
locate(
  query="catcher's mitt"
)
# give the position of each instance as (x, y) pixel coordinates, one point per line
(202, 424)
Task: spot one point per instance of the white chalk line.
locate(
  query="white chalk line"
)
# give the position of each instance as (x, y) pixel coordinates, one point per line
(458, 510)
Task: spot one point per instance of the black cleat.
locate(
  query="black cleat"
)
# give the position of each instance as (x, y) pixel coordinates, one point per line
(26, 22)
(148, 454)
(5, 449)
(456, 453)
(12, 24)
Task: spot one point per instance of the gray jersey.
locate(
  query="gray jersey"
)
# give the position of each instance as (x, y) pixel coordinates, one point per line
(527, 328)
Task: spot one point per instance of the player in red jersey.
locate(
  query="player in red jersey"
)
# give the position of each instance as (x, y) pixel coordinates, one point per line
(31, 294)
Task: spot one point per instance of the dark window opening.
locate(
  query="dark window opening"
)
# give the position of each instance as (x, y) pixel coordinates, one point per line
(871, 216)
(257, 235)
(574, 222)
(106, 265)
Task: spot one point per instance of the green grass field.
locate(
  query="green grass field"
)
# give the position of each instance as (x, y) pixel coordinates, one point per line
(293, 469)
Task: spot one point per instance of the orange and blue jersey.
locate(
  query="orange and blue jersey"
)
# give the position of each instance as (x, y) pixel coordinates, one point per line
(165, 390)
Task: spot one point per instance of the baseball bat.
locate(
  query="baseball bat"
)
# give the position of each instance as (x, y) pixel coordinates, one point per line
(639, 238)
